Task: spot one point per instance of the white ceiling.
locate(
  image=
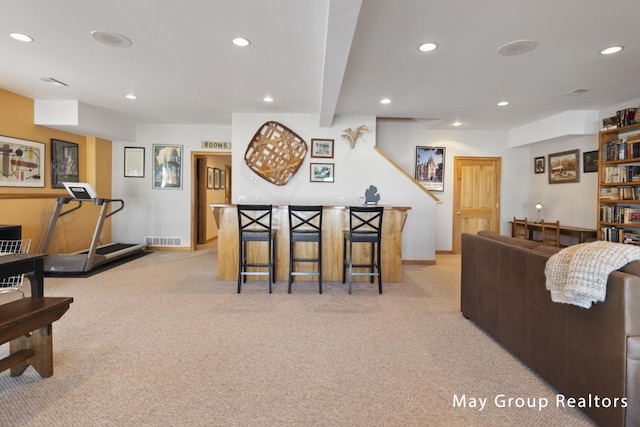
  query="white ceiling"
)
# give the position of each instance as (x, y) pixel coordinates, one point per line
(325, 57)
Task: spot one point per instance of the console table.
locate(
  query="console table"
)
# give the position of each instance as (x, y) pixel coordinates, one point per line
(31, 265)
(566, 230)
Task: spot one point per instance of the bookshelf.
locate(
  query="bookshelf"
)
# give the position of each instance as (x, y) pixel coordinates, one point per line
(619, 184)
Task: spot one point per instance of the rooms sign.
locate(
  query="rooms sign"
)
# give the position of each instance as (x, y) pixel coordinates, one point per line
(216, 145)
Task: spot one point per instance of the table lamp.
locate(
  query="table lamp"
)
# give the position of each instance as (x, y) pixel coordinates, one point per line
(539, 208)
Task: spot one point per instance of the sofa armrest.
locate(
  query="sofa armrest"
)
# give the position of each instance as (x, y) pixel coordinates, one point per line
(633, 381)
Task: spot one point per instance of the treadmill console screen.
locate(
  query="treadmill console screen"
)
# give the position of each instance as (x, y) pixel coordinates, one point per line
(80, 190)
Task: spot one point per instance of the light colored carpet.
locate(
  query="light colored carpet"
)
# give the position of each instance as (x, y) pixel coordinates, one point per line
(159, 342)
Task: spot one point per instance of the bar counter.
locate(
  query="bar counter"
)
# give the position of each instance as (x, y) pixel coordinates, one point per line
(335, 219)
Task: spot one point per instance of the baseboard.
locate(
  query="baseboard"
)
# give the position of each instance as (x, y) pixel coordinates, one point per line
(418, 262)
(445, 253)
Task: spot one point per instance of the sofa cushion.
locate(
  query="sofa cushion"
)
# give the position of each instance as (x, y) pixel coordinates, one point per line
(632, 268)
(546, 249)
(508, 239)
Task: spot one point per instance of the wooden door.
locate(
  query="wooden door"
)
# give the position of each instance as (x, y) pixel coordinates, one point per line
(476, 203)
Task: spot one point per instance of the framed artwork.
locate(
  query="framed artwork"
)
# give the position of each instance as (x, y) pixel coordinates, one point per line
(64, 163)
(134, 162)
(322, 148)
(216, 178)
(223, 179)
(167, 166)
(322, 172)
(590, 161)
(210, 178)
(538, 164)
(430, 167)
(21, 163)
(564, 167)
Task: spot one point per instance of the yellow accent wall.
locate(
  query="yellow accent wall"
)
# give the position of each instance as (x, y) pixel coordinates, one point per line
(32, 207)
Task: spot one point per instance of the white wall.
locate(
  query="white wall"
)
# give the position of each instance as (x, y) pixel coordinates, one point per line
(399, 138)
(355, 170)
(154, 212)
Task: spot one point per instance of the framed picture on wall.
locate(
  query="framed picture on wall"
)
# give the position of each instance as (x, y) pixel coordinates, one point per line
(64, 163)
(167, 166)
(21, 163)
(216, 178)
(322, 172)
(430, 167)
(223, 179)
(322, 148)
(134, 162)
(590, 161)
(210, 178)
(538, 164)
(564, 167)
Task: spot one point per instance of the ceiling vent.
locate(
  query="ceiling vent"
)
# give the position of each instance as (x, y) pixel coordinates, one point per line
(577, 92)
(111, 39)
(517, 47)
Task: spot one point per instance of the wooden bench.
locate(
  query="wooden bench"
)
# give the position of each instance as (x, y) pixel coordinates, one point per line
(27, 325)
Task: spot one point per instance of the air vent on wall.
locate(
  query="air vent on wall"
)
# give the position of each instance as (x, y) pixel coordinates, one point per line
(163, 241)
(576, 92)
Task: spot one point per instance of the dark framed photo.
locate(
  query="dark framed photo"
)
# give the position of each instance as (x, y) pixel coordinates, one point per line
(322, 148)
(167, 167)
(223, 179)
(590, 161)
(322, 172)
(64, 163)
(430, 167)
(564, 167)
(210, 178)
(216, 178)
(134, 162)
(538, 165)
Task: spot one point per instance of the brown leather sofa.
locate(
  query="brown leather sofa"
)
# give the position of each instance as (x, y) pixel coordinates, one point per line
(590, 355)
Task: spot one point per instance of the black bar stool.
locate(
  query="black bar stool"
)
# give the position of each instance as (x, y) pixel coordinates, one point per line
(254, 225)
(305, 225)
(365, 226)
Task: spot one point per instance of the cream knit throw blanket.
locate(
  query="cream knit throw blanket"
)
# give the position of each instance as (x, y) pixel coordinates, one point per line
(578, 274)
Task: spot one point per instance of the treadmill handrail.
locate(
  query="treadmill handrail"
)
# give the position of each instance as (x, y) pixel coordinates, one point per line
(100, 201)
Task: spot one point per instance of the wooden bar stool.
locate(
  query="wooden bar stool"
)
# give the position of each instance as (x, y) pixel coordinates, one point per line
(365, 226)
(254, 225)
(305, 225)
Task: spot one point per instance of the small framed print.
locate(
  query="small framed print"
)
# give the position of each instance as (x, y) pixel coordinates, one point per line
(210, 178)
(216, 178)
(590, 161)
(134, 162)
(322, 172)
(64, 163)
(538, 165)
(322, 148)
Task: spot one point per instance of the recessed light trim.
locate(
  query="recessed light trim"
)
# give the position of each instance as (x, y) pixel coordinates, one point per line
(241, 41)
(131, 96)
(456, 123)
(427, 47)
(21, 37)
(268, 99)
(385, 101)
(53, 81)
(611, 50)
(503, 103)
(111, 39)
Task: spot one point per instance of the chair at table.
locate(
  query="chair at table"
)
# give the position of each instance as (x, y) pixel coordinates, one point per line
(305, 226)
(255, 226)
(520, 228)
(365, 226)
(551, 233)
(13, 283)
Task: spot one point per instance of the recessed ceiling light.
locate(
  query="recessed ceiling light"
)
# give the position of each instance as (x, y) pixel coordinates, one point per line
(427, 47)
(53, 81)
(611, 50)
(385, 101)
(517, 47)
(21, 37)
(131, 96)
(241, 41)
(503, 103)
(456, 123)
(111, 39)
(268, 99)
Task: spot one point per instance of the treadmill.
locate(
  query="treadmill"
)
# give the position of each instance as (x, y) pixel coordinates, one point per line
(85, 260)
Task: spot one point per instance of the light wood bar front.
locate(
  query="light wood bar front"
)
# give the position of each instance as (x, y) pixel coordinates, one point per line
(335, 219)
